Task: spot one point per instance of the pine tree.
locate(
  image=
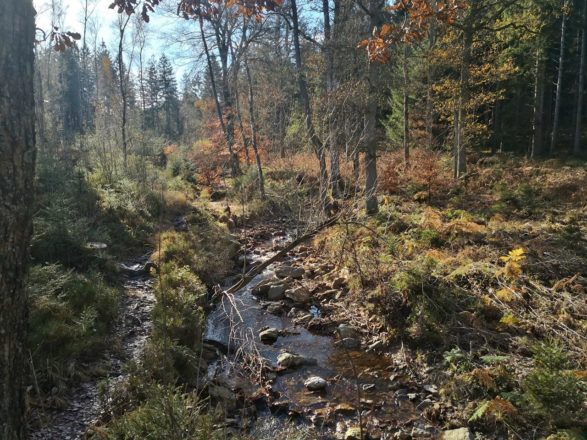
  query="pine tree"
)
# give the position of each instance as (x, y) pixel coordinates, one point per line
(152, 97)
(169, 98)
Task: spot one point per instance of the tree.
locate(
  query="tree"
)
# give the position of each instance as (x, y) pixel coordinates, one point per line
(170, 100)
(580, 81)
(17, 164)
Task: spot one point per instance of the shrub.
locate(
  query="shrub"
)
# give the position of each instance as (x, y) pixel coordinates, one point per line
(70, 318)
(550, 387)
(167, 413)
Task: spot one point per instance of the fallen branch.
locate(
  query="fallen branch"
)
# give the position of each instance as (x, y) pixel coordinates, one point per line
(258, 269)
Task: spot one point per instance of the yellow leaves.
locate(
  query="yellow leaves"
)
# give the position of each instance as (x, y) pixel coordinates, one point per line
(512, 260)
(509, 320)
(515, 255)
(505, 295)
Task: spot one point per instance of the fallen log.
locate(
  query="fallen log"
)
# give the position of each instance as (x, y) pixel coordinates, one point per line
(248, 277)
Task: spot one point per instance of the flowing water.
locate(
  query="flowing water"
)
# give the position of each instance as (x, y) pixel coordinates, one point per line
(358, 381)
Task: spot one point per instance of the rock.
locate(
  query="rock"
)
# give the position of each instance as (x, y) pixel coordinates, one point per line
(344, 408)
(262, 288)
(457, 434)
(300, 295)
(223, 394)
(275, 292)
(420, 433)
(291, 360)
(315, 383)
(275, 308)
(347, 331)
(353, 433)
(401, 435)
(269, 336)
(349, 343)
(304, 319)
(432, 389)
(289, 271)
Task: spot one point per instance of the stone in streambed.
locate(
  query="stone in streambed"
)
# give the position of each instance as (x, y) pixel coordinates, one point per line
(275, 292)
(269, 336)
(347, 331)
(292, 360)
(315, 383)
(299, 295)
(348, 343)
(289, 271)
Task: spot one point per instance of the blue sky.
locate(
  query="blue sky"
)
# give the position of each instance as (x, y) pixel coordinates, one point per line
(160, 30)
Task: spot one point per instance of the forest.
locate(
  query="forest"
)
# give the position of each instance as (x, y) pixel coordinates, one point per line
(293, 219)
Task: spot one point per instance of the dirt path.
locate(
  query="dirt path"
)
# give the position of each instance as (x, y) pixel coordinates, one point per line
(133, 329)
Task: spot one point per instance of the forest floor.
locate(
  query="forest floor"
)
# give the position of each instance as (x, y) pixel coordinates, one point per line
(458, 311)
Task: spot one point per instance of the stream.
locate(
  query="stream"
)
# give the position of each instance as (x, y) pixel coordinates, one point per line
(364, 389)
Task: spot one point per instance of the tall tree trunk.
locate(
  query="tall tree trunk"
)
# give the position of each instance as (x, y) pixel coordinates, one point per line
(330, 84)
(371, 204)
(234, 163)
(17, 166)
(223, 49)
(538, 119)
(559, 85)
(429, 80)
(237, 105)
(123, 91)
(254, 129)
(579, 116)
(406, 108)
(317, 144)
(460, 157)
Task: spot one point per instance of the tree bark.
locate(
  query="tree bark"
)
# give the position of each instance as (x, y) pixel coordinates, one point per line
(460, 157)
(17, 165)
(371, 204)
(538, 122)
(559, 85)
(235, 170)
(317, 144)
(254, 130)
(123, 91)
(406, 108)
(223, 49)
(579, 116)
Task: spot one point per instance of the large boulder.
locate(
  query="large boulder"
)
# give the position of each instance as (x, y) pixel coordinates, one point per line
(289, 271)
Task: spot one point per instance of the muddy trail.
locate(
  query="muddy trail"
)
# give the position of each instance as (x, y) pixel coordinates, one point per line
(288, 342)
(132, 330)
